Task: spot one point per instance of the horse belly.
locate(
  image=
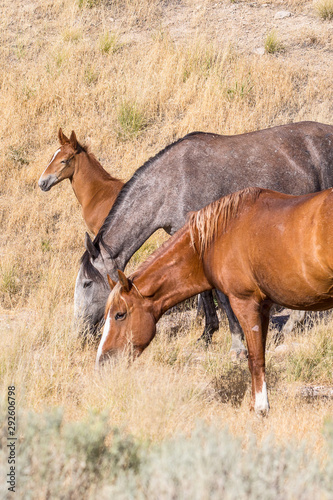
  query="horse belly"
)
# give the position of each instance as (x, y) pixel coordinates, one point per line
(296, 288)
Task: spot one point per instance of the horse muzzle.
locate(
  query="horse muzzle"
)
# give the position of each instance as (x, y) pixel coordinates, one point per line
(109, 357)
(46, 183)
(87, 330)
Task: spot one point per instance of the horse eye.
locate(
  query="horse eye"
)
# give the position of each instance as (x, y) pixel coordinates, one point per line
(87, 284)
(120, 316)
(63, 161)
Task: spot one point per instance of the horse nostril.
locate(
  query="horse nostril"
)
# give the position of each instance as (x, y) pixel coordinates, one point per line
(104, 359)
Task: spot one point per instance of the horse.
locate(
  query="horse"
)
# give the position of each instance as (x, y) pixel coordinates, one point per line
(257, 246)
(187, 175)
(95, 189)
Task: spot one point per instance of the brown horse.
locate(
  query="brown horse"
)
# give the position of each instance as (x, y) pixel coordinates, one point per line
(257, 246)
(95, 189)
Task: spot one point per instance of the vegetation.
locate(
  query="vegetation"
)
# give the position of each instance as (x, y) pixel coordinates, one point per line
(312, 361)
(131, 119)
(324, 9)
(134, 76)
(272, 43)
(90, 460)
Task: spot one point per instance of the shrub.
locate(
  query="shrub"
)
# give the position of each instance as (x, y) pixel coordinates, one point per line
(66, 460)
(212, 464)
(86, 459)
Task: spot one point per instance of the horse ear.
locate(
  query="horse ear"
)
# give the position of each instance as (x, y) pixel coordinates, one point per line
(87, 143)
(111, 282)
(62, 138)
(73, 140)
(90, 247)
(124, 281)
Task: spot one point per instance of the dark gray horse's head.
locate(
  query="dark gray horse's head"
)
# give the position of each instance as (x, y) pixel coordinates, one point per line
(91, 287)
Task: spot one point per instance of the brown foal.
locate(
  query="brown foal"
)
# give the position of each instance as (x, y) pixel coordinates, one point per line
(95, 189)
(257, 246)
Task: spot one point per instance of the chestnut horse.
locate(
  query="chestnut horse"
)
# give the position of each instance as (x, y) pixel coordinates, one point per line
(257, 246)
(95, 189)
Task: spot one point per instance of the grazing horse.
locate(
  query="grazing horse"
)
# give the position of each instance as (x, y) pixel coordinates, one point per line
(95, 189)
(257, 246)
(186, 176)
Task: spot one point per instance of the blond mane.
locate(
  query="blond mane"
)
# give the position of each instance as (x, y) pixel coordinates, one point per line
(216, 216)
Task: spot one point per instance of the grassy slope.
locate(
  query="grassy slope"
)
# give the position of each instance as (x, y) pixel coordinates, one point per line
(134, 77)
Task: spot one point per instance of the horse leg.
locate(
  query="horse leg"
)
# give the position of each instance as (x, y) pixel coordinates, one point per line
(238, 350)
(295, 318)
(200, 308)
(254, 320)
(211, 319)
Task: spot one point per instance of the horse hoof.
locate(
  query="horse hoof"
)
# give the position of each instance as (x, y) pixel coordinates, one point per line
(238, 354)
(205, 339)
(261, 413)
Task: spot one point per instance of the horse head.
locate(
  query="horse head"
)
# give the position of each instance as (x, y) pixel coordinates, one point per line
(91, 287)
(129, 322)
(62, 164)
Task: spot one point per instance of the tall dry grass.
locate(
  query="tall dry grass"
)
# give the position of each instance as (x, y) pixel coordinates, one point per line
(118, 73)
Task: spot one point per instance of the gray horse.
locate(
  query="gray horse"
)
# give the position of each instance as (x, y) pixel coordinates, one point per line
(186, 176)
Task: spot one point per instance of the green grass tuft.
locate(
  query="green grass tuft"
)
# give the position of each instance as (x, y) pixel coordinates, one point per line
(324, 9)
(272, 43)
(312, 361)
(109, 43)
(131, 119)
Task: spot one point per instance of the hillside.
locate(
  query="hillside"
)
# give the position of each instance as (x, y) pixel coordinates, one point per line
(131, 77)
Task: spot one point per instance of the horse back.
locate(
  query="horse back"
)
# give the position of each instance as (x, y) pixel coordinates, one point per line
(280, 247)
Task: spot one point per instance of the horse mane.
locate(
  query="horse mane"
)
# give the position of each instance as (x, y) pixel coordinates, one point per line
(90, 271)
(216, 216)
(95, 163)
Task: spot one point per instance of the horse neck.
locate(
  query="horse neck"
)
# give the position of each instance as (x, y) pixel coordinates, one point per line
(90, 180)
(174, 274)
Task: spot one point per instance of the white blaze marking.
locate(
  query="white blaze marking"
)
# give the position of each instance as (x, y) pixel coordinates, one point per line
(103, 339)
(255, 328)
(261, 403)
(55, 154)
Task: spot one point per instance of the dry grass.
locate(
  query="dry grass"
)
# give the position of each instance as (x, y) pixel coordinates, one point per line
(173, 385)
(119, 73)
